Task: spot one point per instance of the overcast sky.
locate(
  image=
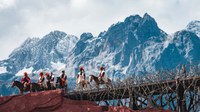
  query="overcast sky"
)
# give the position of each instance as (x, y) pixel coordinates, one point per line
(20, 19)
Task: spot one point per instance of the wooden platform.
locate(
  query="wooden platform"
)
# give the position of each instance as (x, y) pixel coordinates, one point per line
(144, 89)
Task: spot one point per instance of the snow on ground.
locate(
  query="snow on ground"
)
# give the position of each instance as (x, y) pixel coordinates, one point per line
(21, 72)
(3, 70)
(168, 40)
(58, 67)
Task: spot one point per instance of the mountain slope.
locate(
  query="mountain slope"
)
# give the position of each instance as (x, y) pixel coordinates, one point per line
(194, 26)
(40, 53)
(183, 49)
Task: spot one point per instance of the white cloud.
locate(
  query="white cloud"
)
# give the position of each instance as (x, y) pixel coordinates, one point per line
(78, 3)
(6, 3)
(20, 19)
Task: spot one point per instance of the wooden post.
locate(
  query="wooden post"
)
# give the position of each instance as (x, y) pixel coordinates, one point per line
(194, 101)
(161, 100)
(181, 105)
(135, 107)
(118, 102)
(132, 102)
(131, 99)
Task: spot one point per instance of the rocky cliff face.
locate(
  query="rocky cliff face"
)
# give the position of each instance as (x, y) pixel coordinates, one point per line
(194, 26)
(39, 53)
(183, 48)
(121, 48)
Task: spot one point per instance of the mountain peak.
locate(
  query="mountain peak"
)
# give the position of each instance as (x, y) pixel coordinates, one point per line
(147, 16)
(86, 36)
(194, 26)
(194, 23)
(133, 18)
(55, 34)
(148, 28)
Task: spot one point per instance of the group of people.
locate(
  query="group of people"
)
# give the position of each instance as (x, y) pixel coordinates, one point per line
(50, 78)
(101, 75)
(45, 80)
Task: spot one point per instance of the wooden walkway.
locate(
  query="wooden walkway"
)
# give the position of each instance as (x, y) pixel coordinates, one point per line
(181, 95)
(142, 89)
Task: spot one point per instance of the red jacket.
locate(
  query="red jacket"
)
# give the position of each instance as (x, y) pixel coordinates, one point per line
(26, 79)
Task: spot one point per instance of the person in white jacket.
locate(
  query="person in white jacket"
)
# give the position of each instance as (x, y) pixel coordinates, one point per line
(102, 75)
(81, 73)
(41, 80)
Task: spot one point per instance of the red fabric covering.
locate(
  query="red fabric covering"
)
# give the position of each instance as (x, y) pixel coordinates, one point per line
(119, 109)
(45, 102)
(52, 101)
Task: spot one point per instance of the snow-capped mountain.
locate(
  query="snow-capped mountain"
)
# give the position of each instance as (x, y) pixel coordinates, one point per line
(124, 49)
(35, 54)
(183, 49)
(132, 47)
(194, 26)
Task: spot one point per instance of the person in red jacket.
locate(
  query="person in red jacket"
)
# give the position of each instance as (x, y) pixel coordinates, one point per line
(25, 80)
(48, 79)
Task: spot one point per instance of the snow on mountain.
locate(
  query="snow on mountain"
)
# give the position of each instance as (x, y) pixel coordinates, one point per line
(36, 55)
(183, 49)
(194, 26)
(126, 48)
(39, 53)
(3, 70)
(28, 44)
(65, 45)
(27, 70)
(57, 68)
